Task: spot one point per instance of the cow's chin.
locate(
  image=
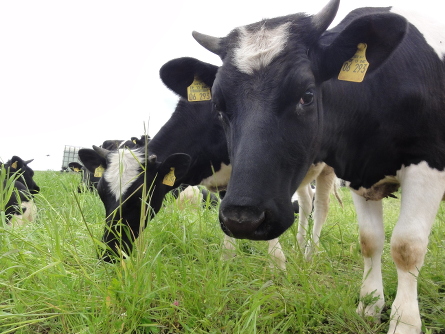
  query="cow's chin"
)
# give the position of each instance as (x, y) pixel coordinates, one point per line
(270, 227)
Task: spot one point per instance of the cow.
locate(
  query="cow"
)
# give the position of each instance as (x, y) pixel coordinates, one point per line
(366, 97)
(18, 188)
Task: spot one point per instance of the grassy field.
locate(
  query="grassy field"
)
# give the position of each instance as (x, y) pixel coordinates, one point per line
(175, 282)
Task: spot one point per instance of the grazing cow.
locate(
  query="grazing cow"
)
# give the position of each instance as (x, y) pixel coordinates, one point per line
(18, 188)
(127, 198)
(367, 97)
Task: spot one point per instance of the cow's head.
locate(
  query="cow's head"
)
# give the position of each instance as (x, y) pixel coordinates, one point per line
(19, 166)
(132, 188)
(268, 96)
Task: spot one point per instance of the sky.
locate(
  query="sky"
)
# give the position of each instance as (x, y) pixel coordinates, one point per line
(79, 72)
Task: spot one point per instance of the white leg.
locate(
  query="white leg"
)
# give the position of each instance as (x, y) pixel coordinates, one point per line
(422, 191)
(325, 182)
(228, 248)
(372, 237)
(277, 256)
(305, 202)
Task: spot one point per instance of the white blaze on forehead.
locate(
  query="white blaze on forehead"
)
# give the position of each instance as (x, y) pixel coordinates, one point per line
(432, 30)
(123, 169)
(257, 49)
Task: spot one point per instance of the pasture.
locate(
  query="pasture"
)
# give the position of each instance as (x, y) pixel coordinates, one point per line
(175, 281)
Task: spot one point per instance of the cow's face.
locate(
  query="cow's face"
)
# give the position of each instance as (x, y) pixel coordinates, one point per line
(268, 96)
(132, 188)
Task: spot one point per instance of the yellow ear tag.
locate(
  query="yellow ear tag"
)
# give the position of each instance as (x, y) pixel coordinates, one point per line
(354, 69)
(76, 169)
(99, 171)
(170, 178)
(134, 141)
(14, 165)
(198, 91)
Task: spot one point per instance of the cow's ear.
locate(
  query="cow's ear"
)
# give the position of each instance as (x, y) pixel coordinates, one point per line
(179, 73)
(28, 161)
(174, 168)
(91, 159)
(16, 163)
(381, 33)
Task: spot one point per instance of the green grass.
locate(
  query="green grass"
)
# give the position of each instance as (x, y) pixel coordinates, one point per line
(175, 282)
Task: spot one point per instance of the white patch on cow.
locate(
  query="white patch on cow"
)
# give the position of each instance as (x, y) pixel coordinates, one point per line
(29, 213)
(431, 29)
(219, 180)
(257, 49)
(124, 167)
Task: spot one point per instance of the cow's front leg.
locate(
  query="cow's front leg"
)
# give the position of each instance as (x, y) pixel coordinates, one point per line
(228, 251)
(305, 196)
(278, 258)
(372, 237)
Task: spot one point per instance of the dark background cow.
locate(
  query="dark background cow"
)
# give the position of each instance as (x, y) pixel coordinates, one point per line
(18, 188)
(368, 98)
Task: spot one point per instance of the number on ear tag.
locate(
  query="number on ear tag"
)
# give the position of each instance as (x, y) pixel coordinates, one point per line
(198, 91)
(354, 69)
(169, 178)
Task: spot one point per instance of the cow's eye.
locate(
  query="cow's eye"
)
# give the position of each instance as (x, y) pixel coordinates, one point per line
(307, 98)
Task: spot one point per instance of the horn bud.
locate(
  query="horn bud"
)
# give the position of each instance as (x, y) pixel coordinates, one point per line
(324, 18)
(209, 42)
(101, 151)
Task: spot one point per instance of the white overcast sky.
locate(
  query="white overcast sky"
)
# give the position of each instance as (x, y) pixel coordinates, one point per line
(79, 72)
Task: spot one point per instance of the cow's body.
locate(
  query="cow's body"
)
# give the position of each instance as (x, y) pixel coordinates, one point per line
(279, 77)
(19, 187)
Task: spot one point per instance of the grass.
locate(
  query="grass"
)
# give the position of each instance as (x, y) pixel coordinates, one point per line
(175, 282)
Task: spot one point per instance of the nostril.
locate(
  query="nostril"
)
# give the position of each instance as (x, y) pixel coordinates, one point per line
(241, 222)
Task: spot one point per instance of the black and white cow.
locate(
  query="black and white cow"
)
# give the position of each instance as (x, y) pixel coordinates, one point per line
(367, 97)
(18, 188)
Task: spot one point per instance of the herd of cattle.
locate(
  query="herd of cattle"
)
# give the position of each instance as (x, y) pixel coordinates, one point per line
(291, 103)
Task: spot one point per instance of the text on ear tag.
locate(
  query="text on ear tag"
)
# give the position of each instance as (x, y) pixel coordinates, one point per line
(169, 178)
(198, 91)
(99, 171)
(354, 69)
(14, 165)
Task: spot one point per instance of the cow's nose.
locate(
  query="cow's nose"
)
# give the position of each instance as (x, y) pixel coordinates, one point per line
(241, 222)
